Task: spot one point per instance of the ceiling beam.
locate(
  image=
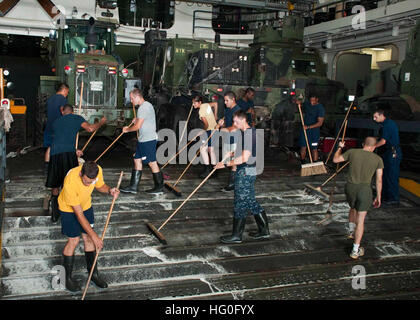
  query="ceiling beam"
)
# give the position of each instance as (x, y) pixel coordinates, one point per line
(49, 7)
(6, 6)
(304, 5)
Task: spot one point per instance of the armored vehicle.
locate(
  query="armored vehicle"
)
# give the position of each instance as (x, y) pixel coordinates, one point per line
(395, 89)
(277, 65)
(83, 52)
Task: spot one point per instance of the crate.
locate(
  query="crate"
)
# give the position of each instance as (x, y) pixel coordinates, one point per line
(151, 35)
(326, 144)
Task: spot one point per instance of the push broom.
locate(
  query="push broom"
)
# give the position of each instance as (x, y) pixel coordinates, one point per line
(318, 190)
(329, 214)
(90, 138)
(172, 187)
(312, 168)
(115, 140)
(182, 149)
(80, 111)
(79, 159)
(156, 231)
(339, 131)
(165, 176)
(102, 238)
(186, 124)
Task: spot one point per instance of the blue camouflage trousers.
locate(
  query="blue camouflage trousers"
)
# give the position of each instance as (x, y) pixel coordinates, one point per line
(244, 198)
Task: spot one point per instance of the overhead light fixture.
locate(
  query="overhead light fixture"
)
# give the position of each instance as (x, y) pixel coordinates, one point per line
(377, 49)
(327, 44)
(74, 12)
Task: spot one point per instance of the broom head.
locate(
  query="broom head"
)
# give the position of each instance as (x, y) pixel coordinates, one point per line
(316, 191)
(172, 188)
(158, 234)
(310, 169)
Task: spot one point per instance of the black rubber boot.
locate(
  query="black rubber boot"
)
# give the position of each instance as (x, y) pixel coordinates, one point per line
(262, 223)
(158, 180)
(90, 258)
(238, 229)
(215, 173)
(207, 169)
(134, 182)
(46, 168)
(231, 182)
(68, 266)
(54, 208)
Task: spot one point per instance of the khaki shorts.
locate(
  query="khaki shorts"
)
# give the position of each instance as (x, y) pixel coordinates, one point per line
(359, 196)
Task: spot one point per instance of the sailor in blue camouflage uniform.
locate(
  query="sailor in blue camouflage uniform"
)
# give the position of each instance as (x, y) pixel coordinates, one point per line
(244, 196)
(391, 155)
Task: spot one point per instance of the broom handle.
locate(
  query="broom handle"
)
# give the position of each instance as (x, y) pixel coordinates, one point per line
(103, 236)
(192, 193)
(192, 140)
(196, 155)
(344, 131)
(112, 143)
(91, 136)
(304, 131)
(186, 124)
(339, 131)
(342, 140)
(337, 172)
(134, 116)
(185, 170)
(80, 111)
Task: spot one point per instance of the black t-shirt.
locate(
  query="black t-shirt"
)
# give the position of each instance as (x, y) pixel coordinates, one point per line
(229, 115)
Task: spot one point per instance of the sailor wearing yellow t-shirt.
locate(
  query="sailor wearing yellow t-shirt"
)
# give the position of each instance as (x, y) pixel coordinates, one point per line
(207, 114)
(75, 207)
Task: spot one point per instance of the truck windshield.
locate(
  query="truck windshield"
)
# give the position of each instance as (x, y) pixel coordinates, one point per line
(74, 39)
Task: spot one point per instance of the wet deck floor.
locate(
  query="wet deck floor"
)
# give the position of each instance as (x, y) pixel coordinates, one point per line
(302, 259)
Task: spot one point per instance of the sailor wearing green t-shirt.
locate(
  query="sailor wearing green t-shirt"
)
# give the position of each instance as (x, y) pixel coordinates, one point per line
(363, 164)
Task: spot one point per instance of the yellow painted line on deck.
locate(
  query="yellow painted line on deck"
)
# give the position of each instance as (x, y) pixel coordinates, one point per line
(411, 186)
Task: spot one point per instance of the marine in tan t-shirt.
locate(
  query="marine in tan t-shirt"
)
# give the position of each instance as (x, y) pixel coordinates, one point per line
(207, 113)
(208, 118)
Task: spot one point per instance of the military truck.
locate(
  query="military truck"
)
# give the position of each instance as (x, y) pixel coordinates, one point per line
(277, 65)
(395, 89)
(83, 52)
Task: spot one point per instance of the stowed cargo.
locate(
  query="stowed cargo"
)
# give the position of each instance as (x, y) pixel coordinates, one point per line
(151, 35)
(277, 64)
(219, 66)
